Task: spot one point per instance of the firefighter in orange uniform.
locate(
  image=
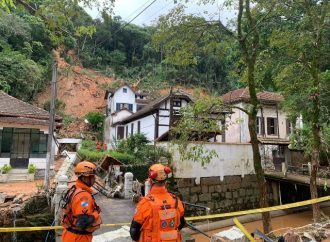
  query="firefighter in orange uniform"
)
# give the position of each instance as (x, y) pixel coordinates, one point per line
(159, 215)
(81, 215)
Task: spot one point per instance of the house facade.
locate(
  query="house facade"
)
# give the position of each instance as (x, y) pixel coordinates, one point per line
(152, 119)
(273, 125)
(23, 134)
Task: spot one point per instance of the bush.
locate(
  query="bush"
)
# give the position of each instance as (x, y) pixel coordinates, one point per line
(59, 105)
(95, 119)
(91, 155)
(5, 169)
(137, 146)
(32, 169)
(88, 144)
(124, 158)
(94, 156)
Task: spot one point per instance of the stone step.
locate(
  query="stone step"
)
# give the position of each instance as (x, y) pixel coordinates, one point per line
(18, 177)
(18, 171)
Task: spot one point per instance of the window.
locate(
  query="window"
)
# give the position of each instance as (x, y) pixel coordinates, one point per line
(120, 132)
(139, 107)
(139, 127)
(38, 144)
(6, 140)
(289, 127)
(272, 126)
(177, 103)
(260, 126)
(132, 128)
(120, 106)
(124, 90)
(23, 143)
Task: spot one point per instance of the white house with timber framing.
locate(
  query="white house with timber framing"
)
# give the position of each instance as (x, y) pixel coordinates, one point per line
(138, 116)
(273, 125)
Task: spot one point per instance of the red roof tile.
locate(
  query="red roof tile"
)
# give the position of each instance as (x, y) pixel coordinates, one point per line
(243, 95)
(10, 106)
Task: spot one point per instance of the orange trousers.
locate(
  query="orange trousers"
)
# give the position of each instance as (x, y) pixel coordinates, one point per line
(67, 236)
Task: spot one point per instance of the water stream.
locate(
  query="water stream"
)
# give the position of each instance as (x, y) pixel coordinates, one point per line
(14, 236)
(280, 224)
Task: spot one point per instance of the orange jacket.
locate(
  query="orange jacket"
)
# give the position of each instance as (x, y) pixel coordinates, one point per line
(160, 214)
(81, 216)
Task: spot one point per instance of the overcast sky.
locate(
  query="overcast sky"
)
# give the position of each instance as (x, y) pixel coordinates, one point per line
(128, 9)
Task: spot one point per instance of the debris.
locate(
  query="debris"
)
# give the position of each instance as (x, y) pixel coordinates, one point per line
(119, 235)
(234, 234)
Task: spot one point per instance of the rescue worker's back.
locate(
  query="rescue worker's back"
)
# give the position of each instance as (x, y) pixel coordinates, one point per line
(160, 215)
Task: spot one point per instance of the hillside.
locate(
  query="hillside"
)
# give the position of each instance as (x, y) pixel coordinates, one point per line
(82, 90)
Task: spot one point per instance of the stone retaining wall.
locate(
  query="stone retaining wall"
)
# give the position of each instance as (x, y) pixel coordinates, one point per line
(234, 193)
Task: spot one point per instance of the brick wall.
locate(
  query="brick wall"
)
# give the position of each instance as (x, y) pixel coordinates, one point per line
(234, 193)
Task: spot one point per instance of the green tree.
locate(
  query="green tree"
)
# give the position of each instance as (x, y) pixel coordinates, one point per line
(138, 146)
(303, 64)
(182, 50)
(95, 119)
(22, 75)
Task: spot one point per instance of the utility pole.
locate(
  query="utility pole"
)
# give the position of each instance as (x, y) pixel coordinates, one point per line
(50, 155)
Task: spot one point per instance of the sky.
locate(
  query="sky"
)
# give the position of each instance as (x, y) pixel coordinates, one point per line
(128, 9)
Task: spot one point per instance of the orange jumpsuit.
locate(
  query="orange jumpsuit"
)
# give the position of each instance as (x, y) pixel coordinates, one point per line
(152, 224)
(82, 203)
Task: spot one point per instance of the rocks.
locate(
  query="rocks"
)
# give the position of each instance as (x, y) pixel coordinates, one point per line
(233, 193)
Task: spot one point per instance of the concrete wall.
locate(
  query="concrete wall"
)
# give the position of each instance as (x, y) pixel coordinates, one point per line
(234, 193)
(233, 159)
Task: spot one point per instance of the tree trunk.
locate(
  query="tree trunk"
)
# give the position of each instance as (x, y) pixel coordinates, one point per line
(250, 50)
(266, 219)
(315, 159)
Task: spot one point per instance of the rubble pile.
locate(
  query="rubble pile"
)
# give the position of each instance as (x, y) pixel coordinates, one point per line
(24, 210)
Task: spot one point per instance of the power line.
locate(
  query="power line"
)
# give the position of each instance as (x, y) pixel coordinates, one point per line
(135, 17)
(137, 9)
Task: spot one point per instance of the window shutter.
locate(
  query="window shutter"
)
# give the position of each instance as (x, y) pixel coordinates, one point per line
(117, 106)
(287, 126)
(275, 126)
(263, 126)
(139, 127)
(268, 126)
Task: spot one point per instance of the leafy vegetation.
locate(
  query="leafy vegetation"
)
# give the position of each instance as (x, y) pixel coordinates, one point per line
(32, 169)
(138, 146)
(95, 120)
(5, 169)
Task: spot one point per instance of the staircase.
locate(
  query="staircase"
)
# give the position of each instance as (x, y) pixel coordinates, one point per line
(18, 175)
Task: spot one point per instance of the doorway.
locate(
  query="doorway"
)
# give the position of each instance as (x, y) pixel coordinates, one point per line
(20, 148)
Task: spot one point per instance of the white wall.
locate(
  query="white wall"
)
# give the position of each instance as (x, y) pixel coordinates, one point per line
(120, 97)
(40, 163)
(4, 161)
(233, 159)
(147, 127)
(237, 124)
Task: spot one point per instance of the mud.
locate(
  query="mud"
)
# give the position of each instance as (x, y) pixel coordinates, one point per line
(280, 224)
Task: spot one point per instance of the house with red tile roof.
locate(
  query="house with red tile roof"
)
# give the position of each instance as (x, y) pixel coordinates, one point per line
(23, 135)
(273, 125)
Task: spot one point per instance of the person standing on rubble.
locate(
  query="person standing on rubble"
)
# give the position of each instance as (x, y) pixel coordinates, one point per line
(81, 215)
(159, 215)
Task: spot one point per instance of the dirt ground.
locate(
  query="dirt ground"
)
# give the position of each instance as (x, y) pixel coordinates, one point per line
(23, 187)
